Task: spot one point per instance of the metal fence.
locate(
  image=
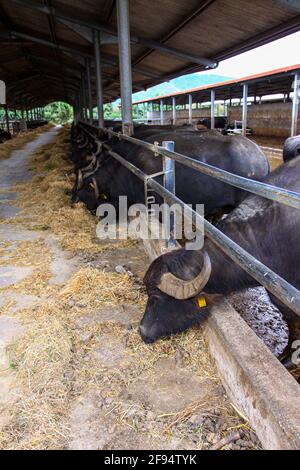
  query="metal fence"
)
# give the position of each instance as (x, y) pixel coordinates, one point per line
(284, 291)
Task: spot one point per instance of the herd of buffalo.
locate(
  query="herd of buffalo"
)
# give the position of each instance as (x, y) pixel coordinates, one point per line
(266, 229)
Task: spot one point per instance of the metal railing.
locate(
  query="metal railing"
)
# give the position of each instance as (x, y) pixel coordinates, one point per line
(284, 196)
(274, 283)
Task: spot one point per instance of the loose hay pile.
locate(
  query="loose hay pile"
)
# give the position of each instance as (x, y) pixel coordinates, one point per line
(46, 200)
(68, 353)
(16, 143)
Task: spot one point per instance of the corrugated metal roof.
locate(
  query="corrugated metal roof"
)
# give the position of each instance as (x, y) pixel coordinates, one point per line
(44, 42)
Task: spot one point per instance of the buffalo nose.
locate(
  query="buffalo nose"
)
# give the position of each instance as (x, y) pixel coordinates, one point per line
(143, 331)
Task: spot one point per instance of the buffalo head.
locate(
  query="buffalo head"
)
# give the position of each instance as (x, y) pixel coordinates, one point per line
(174, 282)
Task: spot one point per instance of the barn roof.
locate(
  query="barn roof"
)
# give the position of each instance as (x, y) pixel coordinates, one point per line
(44, 43)
(267, 83)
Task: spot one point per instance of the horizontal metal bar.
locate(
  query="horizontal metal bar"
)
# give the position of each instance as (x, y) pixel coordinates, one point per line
(44, 42)
(284, 196)
(110, 30)
(274, 283)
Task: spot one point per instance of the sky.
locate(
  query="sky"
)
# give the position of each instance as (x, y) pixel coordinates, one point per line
(280, 53)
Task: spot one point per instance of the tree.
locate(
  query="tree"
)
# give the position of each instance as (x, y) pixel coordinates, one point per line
(59, 112)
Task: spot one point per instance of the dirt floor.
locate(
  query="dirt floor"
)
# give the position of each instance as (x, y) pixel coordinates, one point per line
(272, 147)
(74, 371)
(267, 141)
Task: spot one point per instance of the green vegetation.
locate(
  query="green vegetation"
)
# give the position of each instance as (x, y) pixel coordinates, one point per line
(59, 112)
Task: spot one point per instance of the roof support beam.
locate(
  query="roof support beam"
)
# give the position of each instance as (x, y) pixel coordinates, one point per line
(98, 71)
(75, 52)
(44, 42)
(125, 65)
(109, 30)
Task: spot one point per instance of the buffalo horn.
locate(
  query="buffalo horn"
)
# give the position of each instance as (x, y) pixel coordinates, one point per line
(180, 289)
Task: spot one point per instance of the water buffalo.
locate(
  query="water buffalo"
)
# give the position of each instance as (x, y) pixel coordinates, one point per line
(4, 135)
(235, 154)
(291, 148)
(266, 229)
(220, 122)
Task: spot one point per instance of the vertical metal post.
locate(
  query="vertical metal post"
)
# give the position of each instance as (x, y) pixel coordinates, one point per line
(96, 37)
(245, 109)
(89, 89)
(295, 108)
(125, 65)
(190, 109)
(83, 91)
(161, 107)
(174, 109)
(169, 182)
(80, 105)
(6, 118)
(212, 108)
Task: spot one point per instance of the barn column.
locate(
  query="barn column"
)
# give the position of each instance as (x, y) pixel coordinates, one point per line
(245, 109)
(161, 106)
(6, 117)
(295, 108)
(89, 89)
(125, 65)
(190, 109)
(83, 94)
(96, 36)
(174, 109)
(212, 108)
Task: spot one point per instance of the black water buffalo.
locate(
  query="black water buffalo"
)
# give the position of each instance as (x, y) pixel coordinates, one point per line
(4, 135)
(266, 229)
(220, 122)
(291, 148)
(235, 154)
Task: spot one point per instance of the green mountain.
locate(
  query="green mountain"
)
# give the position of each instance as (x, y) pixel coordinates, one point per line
(180, 84)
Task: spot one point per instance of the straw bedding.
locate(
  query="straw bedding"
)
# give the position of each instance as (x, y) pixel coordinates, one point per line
(55, 360)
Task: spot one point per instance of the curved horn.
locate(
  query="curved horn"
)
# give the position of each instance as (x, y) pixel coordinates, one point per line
(96, 189)
(180, 289)
(84, 144)
(99, 148)
(79, 179)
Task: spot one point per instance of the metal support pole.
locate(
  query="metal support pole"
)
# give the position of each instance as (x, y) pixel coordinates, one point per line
(169, 183)
(295, 108)
(125, 65)
(174, 109)
(89, 89)
(96, 37)
(6, 118)
(83, 92)
(212, 108)
(190, 109)
(161, 106)
(245, 109)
